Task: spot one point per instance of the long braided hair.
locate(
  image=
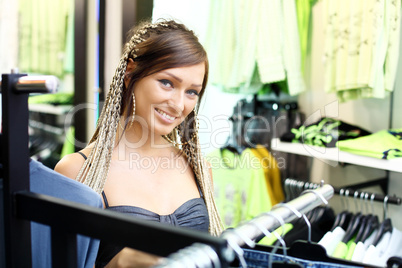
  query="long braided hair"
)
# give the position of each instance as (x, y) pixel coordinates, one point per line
(153, 47)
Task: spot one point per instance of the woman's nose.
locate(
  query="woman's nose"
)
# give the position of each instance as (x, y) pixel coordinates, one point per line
(177, 101)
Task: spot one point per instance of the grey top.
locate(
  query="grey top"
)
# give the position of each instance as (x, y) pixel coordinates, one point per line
(192, 214)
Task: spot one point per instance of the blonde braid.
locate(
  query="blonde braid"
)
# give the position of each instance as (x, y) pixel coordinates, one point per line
(201, 171)
(95, 169)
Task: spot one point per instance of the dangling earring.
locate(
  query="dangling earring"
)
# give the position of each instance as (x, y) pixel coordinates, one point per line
(133, 116)
(175, 143)
(132, 119)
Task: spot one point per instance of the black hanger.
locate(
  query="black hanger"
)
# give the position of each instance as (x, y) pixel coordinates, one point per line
(233, 143)
(362, 227)
(371, 225)
(353, 227)
(342, 220)
(385, 226)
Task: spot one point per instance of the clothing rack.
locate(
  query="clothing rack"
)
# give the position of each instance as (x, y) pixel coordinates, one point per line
(249, 231)
(350, 191)
(19, 206)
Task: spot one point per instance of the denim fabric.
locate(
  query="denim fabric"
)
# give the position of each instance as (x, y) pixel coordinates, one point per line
(256, 259)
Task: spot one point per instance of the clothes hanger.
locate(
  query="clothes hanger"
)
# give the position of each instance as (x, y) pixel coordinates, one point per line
(385, 226)
(233, 143)
(305, 250)
(343, 218)
(372, 223)
(354, 224)
(309, 250)
(282, 264)
(364, 221)
(234, 246)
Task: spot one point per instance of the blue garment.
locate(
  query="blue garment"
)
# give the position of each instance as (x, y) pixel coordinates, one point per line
(44, 180)
(256, 259)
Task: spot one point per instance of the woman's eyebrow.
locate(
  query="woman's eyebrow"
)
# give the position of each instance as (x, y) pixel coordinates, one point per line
(180, 80)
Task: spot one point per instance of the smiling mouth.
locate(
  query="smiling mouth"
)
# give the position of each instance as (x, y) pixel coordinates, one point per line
(165, 114)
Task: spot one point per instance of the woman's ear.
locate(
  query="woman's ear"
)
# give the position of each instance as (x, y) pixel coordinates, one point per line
(130, 67)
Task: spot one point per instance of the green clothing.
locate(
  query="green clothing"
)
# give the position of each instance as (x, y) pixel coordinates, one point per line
(251, 43)
(42, 39)
(270, 240)
(384, 144)
(342, 249)
(362, 61)
(68, 145)
(351, 250)
(304, 8)
(59, 98)
(240, 188)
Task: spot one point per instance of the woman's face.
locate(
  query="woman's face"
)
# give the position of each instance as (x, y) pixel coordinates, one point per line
(164, 99)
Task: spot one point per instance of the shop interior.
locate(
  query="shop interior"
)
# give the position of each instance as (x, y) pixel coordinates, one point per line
(329, 78)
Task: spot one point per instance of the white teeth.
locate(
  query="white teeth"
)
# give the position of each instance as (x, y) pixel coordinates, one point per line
(166, 115)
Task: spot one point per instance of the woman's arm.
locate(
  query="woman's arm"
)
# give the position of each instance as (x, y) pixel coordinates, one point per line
(70, 165)
(128, 257)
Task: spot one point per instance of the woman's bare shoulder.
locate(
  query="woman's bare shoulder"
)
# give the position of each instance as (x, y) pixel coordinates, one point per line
(71, 164)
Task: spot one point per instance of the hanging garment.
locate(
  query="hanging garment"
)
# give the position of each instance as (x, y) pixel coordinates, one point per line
(394, 247)
(272, 174)
(304, 8)
(43, 36)
(321, 220)
(361, 248)
(331, 239)
(251, 43)
(341, 250)
(240, 188)
(384, 144)
(46, 181)
(373, 253)
(361, 47)
(270, 240)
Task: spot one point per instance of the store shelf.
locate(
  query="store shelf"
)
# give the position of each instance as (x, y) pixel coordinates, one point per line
(334, 156)
(50, 109)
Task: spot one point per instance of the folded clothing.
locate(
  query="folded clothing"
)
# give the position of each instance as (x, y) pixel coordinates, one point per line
(325, 132)
(384, 144)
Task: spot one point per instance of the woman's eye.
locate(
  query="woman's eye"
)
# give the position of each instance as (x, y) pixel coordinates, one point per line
(193, 92)
(166, 83)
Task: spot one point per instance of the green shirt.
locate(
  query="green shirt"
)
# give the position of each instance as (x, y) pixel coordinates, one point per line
(240, 188)
(384, 144)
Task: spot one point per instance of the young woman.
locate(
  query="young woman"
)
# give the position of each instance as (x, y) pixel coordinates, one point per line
(144, 157)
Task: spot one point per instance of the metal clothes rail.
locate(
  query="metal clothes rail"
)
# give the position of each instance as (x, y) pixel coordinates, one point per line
(350, 191)
(199, 255)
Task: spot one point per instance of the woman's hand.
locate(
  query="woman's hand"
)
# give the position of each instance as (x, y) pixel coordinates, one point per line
(128, 257)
